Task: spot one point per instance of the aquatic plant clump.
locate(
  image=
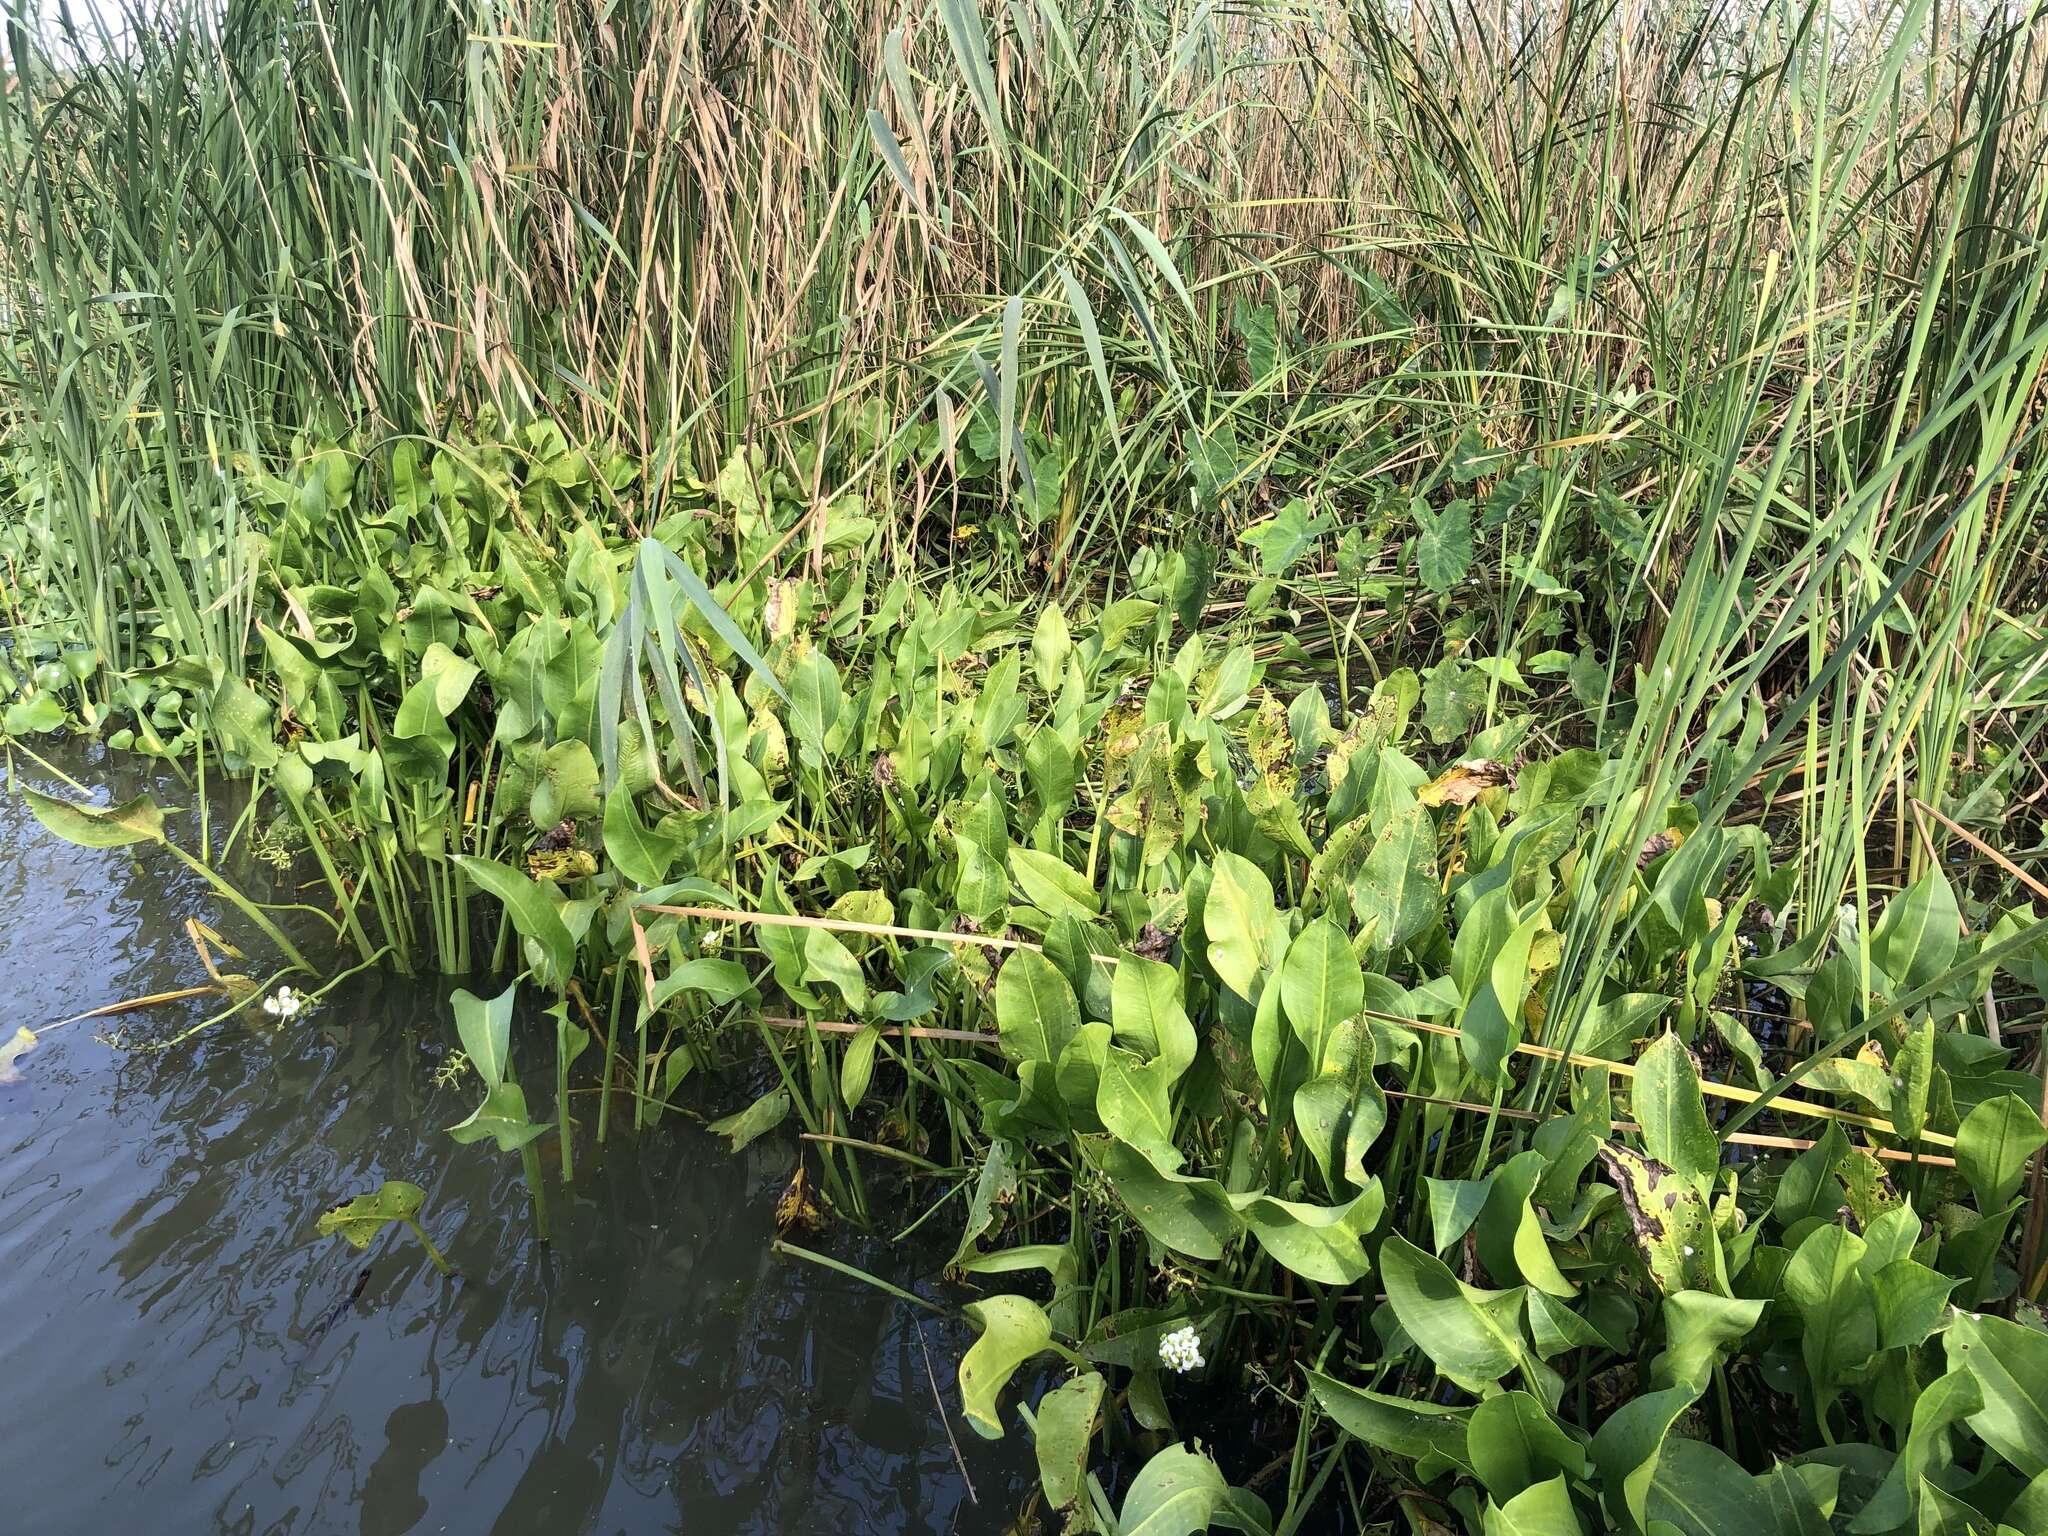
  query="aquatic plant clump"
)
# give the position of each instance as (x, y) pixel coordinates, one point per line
(1363, 699)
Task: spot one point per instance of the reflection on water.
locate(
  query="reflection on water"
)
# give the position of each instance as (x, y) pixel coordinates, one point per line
(181, 1353)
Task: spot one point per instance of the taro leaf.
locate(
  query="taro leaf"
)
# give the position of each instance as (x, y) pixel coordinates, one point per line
(1514, 1442)
(1916, 939)
(1471, 1335)
(1035, 1010)
(501, 1116)
(1063, 1426)
(2010, 1362)
(1179, 1492)
(1191, 1216)
(1699, 1328)
(485, 1028)
(1541, 1509)
(1673, 1114)
(1993, 1146)
(1013, 1329)
(1050, 885)
(826, 959)
(550, 948)
(1838, 1320)
(1320, 1243)
(857, 1066)
(1430, 1433)
(1238, 922)
(1146, 1012)
(1668, 1216)
(1443, 543)
(90, 826)
(361, 1219)
(1321, 985)
(756, 1120)
(1700, 1490)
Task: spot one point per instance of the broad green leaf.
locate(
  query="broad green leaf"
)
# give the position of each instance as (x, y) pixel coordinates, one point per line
(1699, 1327)
(1541, 1509)
(826, 959)
(2010, 1363)
(857, 1067)
(1916, 939)
(485, 1028)
(1490, 1022)
(1838, 1320)
(1672, 1112)
(1146, 1011)
(1062, 1429)
(1993, 1146)
(1396, 890)
(1417, 1428)
(552, 950)
(1191, 1216)
(1237, 920)
(1321, 984)
(1628, 1448)
(1443, 543)
(1051, 886)
(361, 1219)
(1180, 1492)
(753, 1122)
(1013, 1330)
(1454, 1204)
(1035, 1010)
(90, 826)
(1471, 1335)
(502, 1116)
(642, 855)
(1132, 1100)
(1320, 1243)
(1701, 1491)
(1514, 1443)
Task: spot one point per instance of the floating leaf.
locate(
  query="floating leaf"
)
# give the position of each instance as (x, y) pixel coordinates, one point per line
(361, 1219)
(753, 1122)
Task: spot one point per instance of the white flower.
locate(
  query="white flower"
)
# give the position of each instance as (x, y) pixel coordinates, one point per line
(283, 1003)
(1181, 1350)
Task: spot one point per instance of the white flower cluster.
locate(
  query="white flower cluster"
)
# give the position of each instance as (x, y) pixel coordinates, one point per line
(1181, 1350)
(283, 1003)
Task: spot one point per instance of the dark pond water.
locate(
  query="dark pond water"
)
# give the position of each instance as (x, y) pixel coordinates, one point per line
(180, 1352)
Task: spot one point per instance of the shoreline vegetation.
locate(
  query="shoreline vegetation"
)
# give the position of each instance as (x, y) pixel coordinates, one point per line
(1363, 682)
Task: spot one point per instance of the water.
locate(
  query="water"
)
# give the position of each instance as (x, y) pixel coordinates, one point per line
(182, 1353)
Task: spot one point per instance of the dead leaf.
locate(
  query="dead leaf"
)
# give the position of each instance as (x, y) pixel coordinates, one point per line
(1465, 782)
